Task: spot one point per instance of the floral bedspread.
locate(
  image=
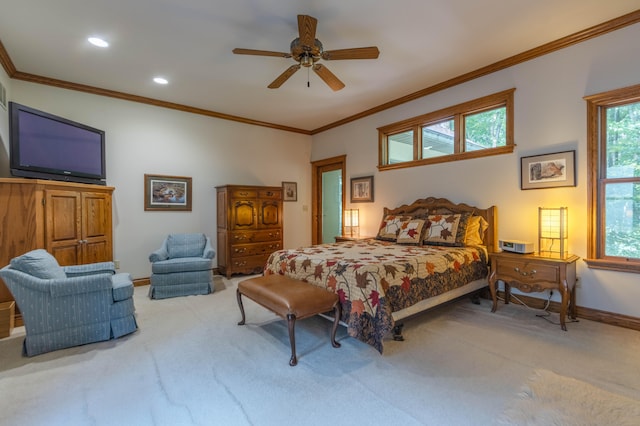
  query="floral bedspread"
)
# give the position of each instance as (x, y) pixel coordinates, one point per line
(375, 278)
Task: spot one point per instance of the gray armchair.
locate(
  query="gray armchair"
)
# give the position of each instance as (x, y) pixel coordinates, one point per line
(71, 305)
(182, 266)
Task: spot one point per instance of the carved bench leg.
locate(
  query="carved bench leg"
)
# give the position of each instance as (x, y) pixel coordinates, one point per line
(239, 297)
(291, 321)
(337, 312)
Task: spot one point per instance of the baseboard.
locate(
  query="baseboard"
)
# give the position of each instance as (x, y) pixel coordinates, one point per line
(586, 313)
(139, 282)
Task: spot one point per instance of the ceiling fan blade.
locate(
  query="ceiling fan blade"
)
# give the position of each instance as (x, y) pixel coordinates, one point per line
(284, 76)
(354, 53)
(328, 77)
(307, 30)
(238, 51)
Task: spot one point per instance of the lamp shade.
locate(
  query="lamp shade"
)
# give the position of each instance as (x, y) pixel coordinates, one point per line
(553, 231)
(351, 222)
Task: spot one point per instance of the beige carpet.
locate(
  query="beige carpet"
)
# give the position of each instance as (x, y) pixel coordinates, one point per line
(191, 364)
(551, 399)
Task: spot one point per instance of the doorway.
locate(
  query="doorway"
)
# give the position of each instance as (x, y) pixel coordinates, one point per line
(328, 198)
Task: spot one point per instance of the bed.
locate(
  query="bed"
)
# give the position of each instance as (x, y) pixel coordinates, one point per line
(425, 254)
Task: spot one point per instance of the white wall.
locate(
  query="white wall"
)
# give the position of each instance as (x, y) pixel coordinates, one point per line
(550, 116)
(146, 139)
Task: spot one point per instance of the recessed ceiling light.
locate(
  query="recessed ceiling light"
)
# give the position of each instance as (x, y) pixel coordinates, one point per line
(160, 80)
(98, 42)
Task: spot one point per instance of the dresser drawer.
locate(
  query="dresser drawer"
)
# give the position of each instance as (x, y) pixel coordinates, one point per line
(527, 271)
(244, 193)
(241, 237)
(270, 194)
(253, 249)
(249, 263)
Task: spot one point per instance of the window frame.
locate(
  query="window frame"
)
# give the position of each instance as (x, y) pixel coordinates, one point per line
(457, 113)
(596, 164)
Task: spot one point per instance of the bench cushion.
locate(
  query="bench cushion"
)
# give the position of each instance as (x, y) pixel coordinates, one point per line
(284, 296)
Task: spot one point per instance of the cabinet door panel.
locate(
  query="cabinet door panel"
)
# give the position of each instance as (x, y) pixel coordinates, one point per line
(62, 225)
(67, 255)
(243, 214)
(270, 214)
(95, 215)
(96, 228)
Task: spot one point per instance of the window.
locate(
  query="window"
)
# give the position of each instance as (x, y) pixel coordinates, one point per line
(473, 129)
(614, 179)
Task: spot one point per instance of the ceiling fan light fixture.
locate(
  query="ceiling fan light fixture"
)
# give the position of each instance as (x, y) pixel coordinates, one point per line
(307, 50)
(306, 60)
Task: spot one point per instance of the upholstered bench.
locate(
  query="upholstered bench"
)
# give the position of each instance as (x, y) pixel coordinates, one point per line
(290, 299)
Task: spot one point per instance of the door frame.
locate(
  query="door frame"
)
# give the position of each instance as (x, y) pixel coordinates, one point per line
(317, 167)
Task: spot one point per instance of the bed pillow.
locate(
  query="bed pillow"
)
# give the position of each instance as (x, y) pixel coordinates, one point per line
(410, 232)
(390, 227)
(446, 229)
(476, 227)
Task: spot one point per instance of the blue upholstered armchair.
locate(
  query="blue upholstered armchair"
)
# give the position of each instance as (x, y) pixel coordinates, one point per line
(182, 266)
(71, 305)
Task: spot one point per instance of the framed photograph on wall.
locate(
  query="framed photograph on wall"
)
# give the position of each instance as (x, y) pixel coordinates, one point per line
(362, 189)
(167, 193)
(289, 191)
(548, 170)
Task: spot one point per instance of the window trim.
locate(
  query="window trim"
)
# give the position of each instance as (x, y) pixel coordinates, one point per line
(456, 112)
(596, 140)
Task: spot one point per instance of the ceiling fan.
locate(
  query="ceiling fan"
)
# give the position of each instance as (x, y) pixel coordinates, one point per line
(307, 50)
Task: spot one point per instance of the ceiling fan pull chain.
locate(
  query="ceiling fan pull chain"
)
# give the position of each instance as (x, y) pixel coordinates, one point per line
(308, 82)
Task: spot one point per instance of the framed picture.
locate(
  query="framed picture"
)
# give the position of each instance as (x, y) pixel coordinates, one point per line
(548, 170)
(289, 191)
(362, 189)
(166, 193)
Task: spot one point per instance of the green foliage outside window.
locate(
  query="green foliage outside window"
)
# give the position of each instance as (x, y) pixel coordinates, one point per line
(622, 190)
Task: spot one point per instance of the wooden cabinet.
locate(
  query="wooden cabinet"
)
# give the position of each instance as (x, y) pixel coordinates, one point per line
(531, 273)
(249, 220)
(71, 221)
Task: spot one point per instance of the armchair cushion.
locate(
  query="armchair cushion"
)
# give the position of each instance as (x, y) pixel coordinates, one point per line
(122, 287)
(39, 263)
(186, 245)
(182, 264)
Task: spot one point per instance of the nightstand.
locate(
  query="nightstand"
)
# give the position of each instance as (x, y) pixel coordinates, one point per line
(531, 273)
(344, 238)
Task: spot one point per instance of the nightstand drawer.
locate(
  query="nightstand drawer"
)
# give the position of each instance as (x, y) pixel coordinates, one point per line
(526, 271)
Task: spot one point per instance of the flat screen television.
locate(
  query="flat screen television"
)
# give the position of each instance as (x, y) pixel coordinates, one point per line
(46, 146)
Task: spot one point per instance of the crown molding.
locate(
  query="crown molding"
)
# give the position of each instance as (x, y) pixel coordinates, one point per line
(570, 40)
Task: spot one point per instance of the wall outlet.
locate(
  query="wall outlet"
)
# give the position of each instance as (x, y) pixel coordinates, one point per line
(116, 264)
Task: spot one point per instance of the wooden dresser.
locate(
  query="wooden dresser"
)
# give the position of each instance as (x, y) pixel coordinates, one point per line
(249, 227)
(72, 221)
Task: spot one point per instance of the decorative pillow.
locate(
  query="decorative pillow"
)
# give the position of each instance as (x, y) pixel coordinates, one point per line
(38, 263)
(476, 227)
(390, 227)
(446, 229)
(185, 245)
(410, 232)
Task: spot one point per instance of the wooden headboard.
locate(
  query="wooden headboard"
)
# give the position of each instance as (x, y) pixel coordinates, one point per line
(432, 205)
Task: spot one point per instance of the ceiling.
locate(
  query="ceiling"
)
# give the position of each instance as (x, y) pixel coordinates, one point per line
(190, 42)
